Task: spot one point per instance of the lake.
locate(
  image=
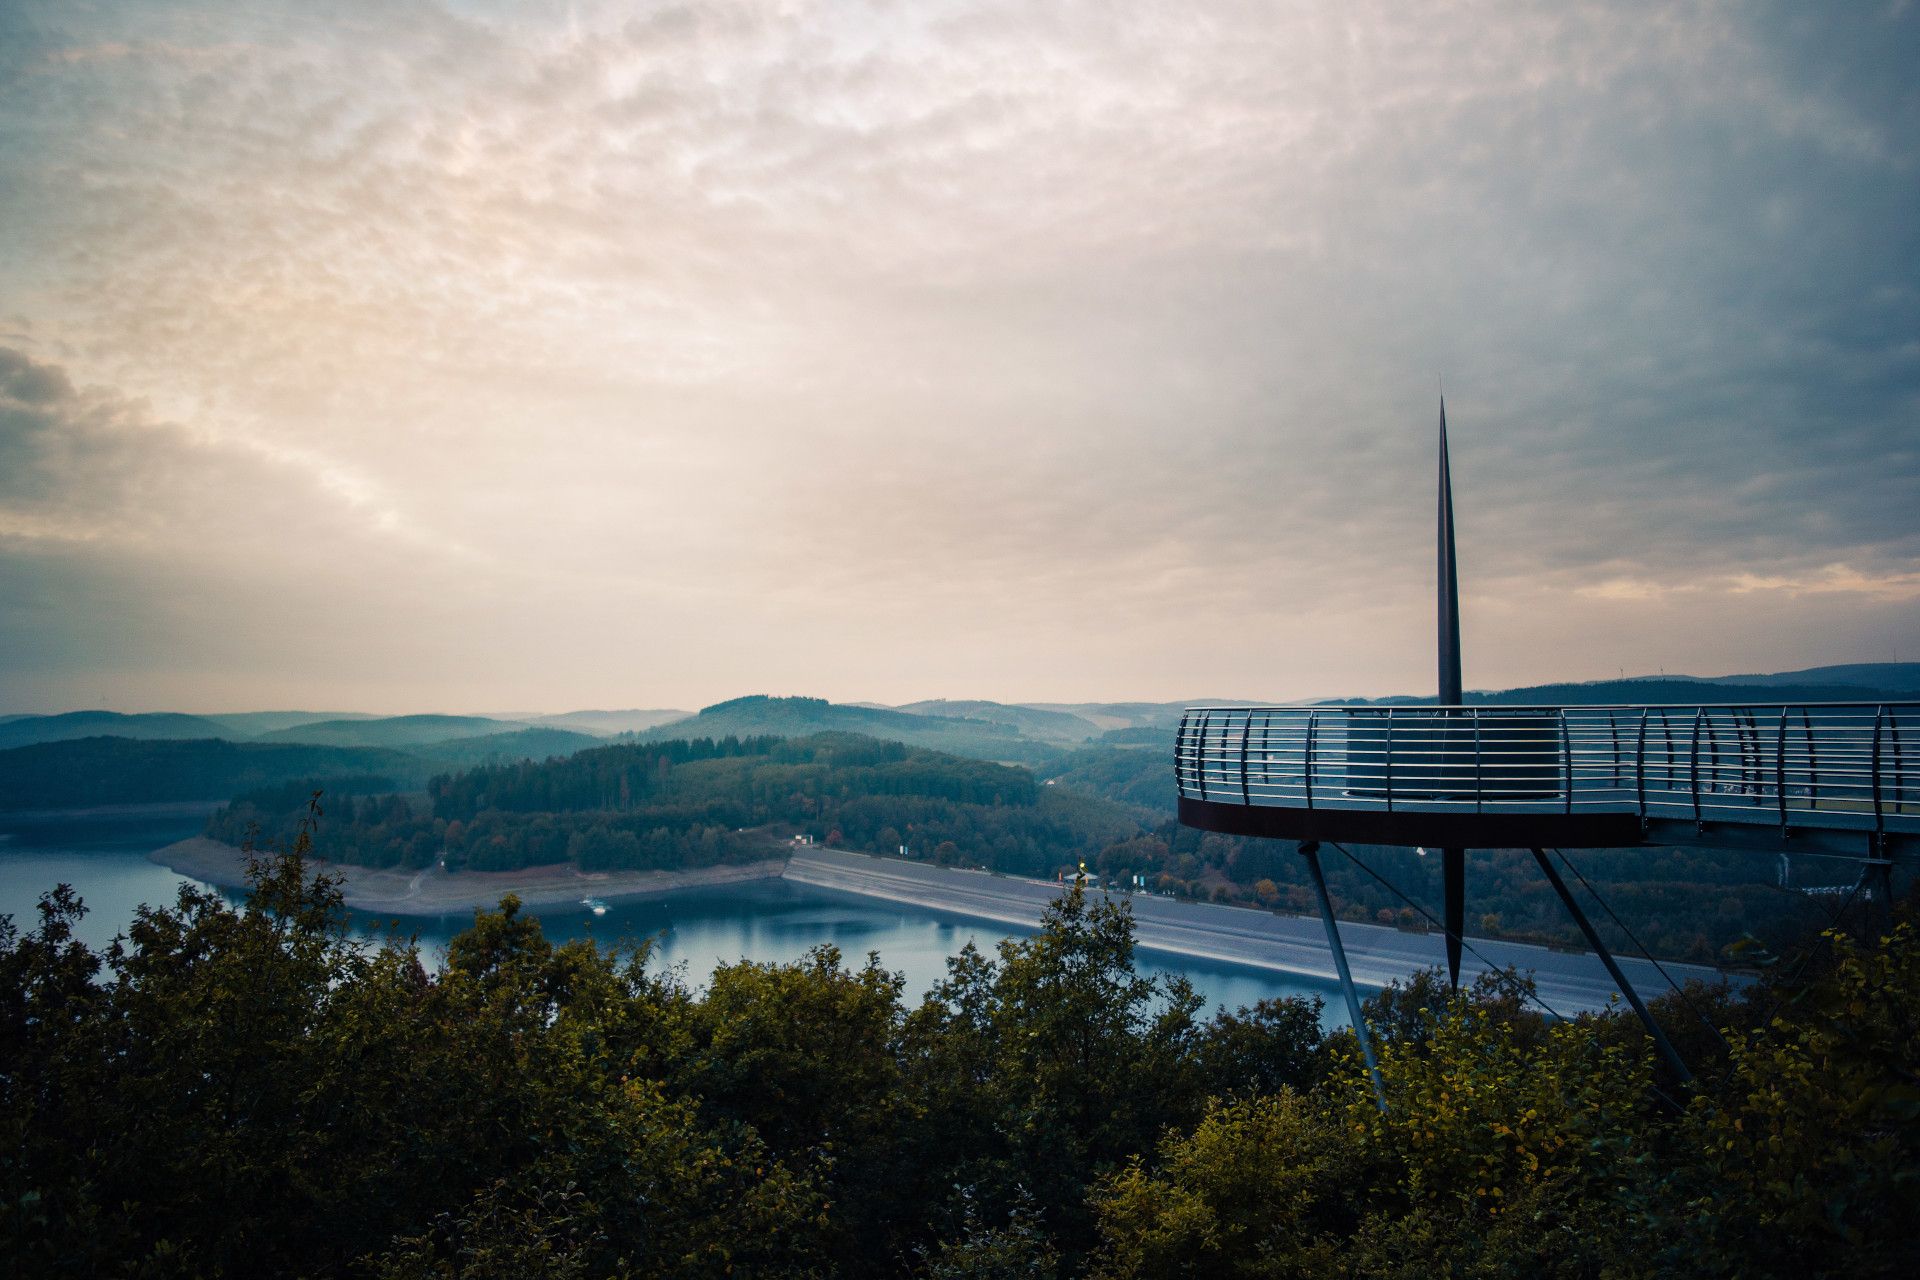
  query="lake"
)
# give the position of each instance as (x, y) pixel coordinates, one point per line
(104, 857)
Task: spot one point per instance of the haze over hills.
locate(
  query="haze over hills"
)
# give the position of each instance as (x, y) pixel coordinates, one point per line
(92, 724)
(607, 724)
(252, 724)
(1034, 722)
(535, 743)
(1903, 676)
(760, 714)
(394, 731)
(1138, 715)
(1856, 682)
(1112, 749)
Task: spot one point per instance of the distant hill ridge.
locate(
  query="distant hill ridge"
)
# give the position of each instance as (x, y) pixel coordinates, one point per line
(394, 731)
(1655, 691)
(1902, 676)
(83, 772)
(761, 714)
(70, 725)
(1034, 722)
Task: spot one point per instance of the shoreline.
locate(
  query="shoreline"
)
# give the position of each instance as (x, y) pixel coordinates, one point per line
(1570, 982)
(436, 893)
(138, 809)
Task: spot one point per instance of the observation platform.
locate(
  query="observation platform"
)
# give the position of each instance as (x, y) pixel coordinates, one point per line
(1830, 778)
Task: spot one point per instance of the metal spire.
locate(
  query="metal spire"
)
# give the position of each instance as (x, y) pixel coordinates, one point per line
(1453, 862)
(1449, 580)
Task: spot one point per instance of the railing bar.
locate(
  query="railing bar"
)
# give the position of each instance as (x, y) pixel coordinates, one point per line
(1780, 772)
(1479, 767)
(1879, 816)
(1566, 748)
(1640, 769)
(1313, 720)
(1387, 765)
(1246, 740)
(1813, 757)
(1694, 764)
(1899, 774)
(1204, 718)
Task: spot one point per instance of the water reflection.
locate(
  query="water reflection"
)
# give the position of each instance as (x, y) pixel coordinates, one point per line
(104, 858)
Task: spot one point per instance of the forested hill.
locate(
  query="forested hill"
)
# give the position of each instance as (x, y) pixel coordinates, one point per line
(795, 717)
(1032, 722)
(394, 731)
(21, 731)
(85, 772)
(661, 805)
(100, 771)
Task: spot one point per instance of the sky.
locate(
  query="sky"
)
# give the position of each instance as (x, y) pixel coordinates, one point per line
(461, 356)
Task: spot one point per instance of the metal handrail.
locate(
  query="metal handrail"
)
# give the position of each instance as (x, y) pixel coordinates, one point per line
(1842, 766)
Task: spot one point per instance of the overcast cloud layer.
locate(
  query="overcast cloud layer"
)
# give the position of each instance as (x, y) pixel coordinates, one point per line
(460, 356)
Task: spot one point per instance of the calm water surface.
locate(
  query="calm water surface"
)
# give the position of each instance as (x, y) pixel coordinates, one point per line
(104, 859)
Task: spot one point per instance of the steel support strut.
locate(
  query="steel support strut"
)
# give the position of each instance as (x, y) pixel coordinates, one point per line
(1453, 877)
(1310, 850)
(1660, 1041)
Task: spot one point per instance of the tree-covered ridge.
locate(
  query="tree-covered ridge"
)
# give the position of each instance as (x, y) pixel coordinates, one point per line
(19, 731)
(665, 805)
(83, 772)
(248, 1091)
(759, 715)
(766, 769)
(394, 731)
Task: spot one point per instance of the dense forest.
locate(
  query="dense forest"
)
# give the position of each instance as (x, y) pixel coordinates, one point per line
(248, 1091)
(660, 805)
(760, 715)
(83, 772)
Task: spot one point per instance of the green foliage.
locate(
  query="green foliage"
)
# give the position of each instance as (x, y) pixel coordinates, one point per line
(1018, 1250)
(1262, 1050)
(665, 805)
(1260, 1188)
(759, 715)
(1815, 1135)
(101, 771)
(247, 1091)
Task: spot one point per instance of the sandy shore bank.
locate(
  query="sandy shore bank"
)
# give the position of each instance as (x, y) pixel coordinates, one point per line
(433, 892)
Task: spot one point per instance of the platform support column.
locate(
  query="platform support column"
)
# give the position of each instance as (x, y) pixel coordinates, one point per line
(1660, 1041)
(1453, 877)
(1310, 850)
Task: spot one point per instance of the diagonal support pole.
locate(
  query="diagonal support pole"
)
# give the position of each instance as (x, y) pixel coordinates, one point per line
(1660, 1041)
(1310, 850)
(1453, 878)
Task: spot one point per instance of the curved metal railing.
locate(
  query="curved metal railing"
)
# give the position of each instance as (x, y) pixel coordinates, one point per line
(1832, 765)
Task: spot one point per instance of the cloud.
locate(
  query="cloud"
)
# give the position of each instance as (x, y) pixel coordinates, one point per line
(1005, 334)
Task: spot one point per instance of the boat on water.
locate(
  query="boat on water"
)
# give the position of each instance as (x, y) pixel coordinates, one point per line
(594, 905)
